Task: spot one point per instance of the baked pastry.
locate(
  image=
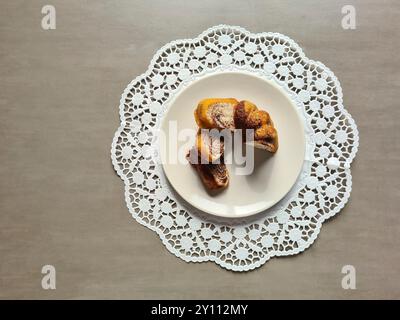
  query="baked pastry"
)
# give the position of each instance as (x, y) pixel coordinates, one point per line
(215, 113)
(209, 145)
(228, 113)
(207, 158)
(213, 175)
(248, 116)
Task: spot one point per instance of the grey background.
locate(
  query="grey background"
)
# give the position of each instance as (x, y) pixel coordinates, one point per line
(62, 204)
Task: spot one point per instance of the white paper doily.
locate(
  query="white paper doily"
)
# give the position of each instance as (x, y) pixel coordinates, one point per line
(289, 227)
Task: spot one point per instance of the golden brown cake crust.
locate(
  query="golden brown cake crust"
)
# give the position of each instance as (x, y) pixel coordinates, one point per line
(248, 116)
(209, 114)
(240, 115)
(228, 113)
(203, 112)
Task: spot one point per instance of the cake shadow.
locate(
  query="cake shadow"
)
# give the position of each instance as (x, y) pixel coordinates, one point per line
(254, 180)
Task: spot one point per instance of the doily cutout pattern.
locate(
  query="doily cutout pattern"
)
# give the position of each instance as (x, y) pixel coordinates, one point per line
(291, 226)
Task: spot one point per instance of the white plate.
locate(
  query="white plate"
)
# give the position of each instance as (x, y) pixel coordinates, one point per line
(273, 176)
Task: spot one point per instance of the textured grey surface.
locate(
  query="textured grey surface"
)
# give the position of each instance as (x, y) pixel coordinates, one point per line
(62, 204)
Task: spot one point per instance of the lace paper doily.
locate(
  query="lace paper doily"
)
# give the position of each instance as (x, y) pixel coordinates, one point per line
(289, 227)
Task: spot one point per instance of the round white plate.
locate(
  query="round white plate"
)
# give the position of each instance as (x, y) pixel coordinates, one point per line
(273, 175)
